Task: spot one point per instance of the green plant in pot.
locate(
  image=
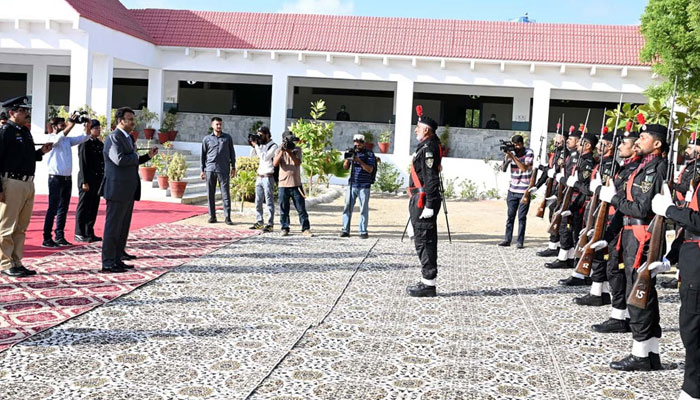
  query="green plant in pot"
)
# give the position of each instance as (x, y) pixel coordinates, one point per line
(176, 173)
(161, 161)
(369, 139)
(169, 123)
(146, 119)
(147, 170)
(445, 140)
(384, 141)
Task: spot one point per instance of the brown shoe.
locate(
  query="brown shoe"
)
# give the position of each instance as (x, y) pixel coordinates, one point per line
(307, 233)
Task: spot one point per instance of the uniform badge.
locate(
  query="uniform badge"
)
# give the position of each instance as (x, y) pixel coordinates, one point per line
(646, 186)
(586, 174)
(429, 160)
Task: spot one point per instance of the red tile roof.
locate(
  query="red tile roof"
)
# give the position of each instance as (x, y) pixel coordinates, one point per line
(112, 14)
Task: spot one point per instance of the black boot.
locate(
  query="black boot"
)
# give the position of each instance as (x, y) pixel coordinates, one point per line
(548, 253)
(574, 281)
(670, 284)
(613, 325)
(632, 363)
(592, 300)
(421, 290)
(559, 264)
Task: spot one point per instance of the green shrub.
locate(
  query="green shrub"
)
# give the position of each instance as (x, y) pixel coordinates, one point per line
(177, 167)
(385, 136)
(162, 159)
(388, 178)
(468, 190)
(242, 186)
(491, 194)
(316, 144)
(449, 188)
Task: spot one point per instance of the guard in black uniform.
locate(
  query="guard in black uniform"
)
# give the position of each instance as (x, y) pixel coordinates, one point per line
(18, 158)
(555, 163)
(425, 203)
(92, 169)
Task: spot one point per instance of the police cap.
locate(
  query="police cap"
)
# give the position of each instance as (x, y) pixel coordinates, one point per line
(659, 132)
(591, 138)
(633, 135)
(429, 122)
(17, 103)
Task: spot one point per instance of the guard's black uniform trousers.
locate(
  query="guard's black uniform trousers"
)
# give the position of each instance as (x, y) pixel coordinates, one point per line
(556, 160)
(426, 194)
(600, 259)
(572, 225)
(92, 167)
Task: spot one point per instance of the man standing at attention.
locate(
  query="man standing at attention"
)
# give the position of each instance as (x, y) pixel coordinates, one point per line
(218, 164)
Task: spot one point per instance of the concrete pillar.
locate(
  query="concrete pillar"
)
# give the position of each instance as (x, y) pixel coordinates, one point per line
(102, 80)
(80, 78)
(40, 97)
(521, 113)
(404, 115)
(540, 117)
(156, 93)
(278, 109)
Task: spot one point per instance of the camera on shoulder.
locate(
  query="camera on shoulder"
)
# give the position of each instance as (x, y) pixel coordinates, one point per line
(507, 146)
(289, 141)
(79, 117)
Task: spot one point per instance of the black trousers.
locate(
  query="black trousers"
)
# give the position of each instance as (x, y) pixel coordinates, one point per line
(59, 200)
(570, 228)
(616, 277)
(553, 237)
(643, 322)
(516, 207)
(117, 223)
(426, 238)
(86, 212)
(599, 267)
(690, 315)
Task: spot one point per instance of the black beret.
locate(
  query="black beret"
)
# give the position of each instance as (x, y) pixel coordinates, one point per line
(428, 121)
(17, 102)
(591, 138)
(608, 136)
(630, 135)
(94, 124)
(575, 134)
(659, 132)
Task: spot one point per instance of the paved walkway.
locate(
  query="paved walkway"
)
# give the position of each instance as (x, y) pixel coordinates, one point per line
(327, 318)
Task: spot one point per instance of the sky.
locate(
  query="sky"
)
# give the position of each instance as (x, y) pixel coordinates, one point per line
(606, 12)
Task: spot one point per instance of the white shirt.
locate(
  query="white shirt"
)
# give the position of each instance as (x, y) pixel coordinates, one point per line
(60, 158)
(266, 152)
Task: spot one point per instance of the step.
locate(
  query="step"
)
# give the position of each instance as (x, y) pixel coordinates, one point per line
(198, 198)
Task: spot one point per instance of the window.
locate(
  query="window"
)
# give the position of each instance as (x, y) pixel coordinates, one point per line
(472, 118)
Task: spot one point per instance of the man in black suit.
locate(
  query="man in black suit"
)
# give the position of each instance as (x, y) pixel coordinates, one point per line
(121, 187)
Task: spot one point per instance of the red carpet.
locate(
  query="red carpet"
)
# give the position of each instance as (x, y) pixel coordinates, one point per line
(68, 282)
(146, 213)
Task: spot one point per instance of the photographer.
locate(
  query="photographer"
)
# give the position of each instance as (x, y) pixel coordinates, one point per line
(363, 164)
(288, 158)
(60, 166)
(520, 160)
(92, 169)
(264, 148)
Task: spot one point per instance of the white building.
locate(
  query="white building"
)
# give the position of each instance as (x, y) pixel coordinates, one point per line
(250, 67)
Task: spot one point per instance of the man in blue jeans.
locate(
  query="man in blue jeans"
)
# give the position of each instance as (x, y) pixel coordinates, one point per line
(288, 158)
(363, 164)
(520, 162)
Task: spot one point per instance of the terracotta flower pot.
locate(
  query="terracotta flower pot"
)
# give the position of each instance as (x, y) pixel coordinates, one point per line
(177, 189)
(369, 146)
(163, 182)
(148, 133)
(384, 147)
(147, 173)
(171, 135)
(445, 151)
(135, 135)
(163, 137)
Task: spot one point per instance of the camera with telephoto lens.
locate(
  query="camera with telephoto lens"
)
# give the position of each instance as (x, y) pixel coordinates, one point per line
(79, 117)
(254, 138)
(289, 141)
(507, 146)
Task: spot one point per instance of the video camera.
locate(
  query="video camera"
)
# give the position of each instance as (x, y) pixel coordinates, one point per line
(289, 141)
(350, 153)
(254, 138)
(507, 146)
(79, 117)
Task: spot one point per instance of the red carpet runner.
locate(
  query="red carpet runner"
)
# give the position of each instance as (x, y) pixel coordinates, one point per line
(68, 282)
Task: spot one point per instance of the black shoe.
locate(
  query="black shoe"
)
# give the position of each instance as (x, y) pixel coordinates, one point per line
(344, 234)
(127, 257)
(593, 301)
(504, 244)
(19, 272)
(364, 235)
(124, 266)
(63, 242)
(258, 225)
(82, 239)
(228, 221)
(632, 363)
(94, 238)
(612, 325)
(114, 269)
(670, 284)
(547, 253)
(421, 290)
(655, 361)
(212, 220)
(267, 228)
(49, 244)
(574, 281)
(520, 246)
(559, 264)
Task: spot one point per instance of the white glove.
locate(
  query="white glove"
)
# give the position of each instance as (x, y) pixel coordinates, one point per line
(601, 244)
(582, 232)
(565, 213)
(571, 181)
(551, 199)
(607, 193)
(558, 177)
(658, 267)
(662, 201)
(689, 194)
(551, 172)
(409, 230)
(532, 189)
(590, 233)
(595, 184)
(427, 213)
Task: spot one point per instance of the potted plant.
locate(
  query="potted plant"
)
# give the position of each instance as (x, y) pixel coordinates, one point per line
(134, 135)
(168, 125)
(176, 173)
(445, 140)
(146, 119)
(160, 161)
(147, 171)
(384, 141)
(369, 139)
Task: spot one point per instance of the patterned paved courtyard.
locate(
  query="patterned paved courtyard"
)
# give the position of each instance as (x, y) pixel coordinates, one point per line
(269, 317)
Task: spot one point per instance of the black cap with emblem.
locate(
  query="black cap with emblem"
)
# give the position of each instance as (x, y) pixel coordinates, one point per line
(591, 138)
(425, 120)
(659, 132)
(17, 103)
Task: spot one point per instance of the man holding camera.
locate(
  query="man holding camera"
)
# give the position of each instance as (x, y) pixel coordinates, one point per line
(18, 159)
(264, 148)
(520, 160)
(92, 170)
(363, 164)
(60, 166)
(218, 163)
(288, 158)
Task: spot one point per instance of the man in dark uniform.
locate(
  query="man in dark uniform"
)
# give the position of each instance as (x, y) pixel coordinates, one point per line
(556, 161)
(424, 204)
(634, 203)
(17, 166)
(685, 251)
(92, 169)
(3, 118)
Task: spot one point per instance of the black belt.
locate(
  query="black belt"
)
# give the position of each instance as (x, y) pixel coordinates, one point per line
(629, 221)
(67, 178)
(18, 176)
(690, 236)
(415, 191)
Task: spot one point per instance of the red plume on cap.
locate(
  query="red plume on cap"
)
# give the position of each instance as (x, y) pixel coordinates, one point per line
(628, 127)
(605, 130)
(640, 118)
(693, 136)
(581, 128)
(419, 110)
(558, 125)
(572, 129)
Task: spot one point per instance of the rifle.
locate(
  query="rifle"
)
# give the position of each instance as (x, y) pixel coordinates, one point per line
(533, 178)
(550, 181)
(640, 290)
(444, 208)
(586, 257)
(568, 192)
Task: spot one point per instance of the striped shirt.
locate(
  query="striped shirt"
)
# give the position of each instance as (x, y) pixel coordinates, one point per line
(360, 178)
(520, 180)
